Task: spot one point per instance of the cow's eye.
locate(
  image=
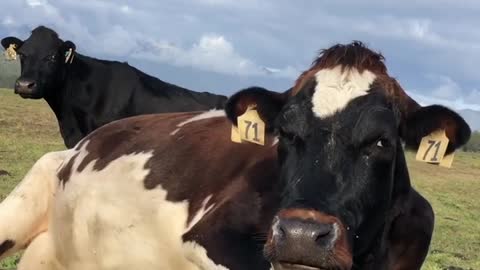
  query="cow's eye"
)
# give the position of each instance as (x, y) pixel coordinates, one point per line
(288, 136)
(382, 143)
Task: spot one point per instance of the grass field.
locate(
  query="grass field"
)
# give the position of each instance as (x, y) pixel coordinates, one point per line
(28, 129)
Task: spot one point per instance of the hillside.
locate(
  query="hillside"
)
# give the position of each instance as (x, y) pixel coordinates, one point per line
(9, 71)
(28, 130)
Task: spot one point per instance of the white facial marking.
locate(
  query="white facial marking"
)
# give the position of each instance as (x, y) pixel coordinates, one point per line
(107, 220)
(335, 88)
(202, 116)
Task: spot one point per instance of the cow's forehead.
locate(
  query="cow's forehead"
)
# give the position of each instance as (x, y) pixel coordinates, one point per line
(336, 87)
(42, 42)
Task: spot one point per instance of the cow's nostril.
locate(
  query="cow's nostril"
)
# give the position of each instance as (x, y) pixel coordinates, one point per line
(31, 85)
(323, 234)
(297, 232)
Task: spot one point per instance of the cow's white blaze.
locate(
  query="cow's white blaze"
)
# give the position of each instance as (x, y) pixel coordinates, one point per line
(336, 87)
(106, 219)
(202, 116)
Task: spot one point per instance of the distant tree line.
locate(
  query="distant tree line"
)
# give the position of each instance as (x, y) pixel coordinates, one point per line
(473, 144)
(9, 72)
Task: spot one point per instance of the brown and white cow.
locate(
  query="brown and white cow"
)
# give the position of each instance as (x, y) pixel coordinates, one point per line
(329, 189)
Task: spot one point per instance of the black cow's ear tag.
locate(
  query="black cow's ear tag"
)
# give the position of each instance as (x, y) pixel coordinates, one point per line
(10, 53)
(69, 56)
(251, 128)
(432, 149)
(235, 135)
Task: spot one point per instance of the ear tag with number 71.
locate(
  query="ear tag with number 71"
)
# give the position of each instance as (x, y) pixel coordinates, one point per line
(251, 128)
(433, 147)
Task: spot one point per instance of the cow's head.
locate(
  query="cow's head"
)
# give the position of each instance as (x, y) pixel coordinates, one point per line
(43, 57)
(341, 130)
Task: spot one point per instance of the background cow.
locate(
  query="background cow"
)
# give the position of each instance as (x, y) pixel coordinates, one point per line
(86, 93)
(329, 189)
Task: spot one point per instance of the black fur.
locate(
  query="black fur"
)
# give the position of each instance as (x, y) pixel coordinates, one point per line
(89, 93)
(268, 104)
(430, 118)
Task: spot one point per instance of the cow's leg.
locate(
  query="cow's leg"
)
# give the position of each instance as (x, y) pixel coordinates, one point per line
(411, 235)
(40, 255)
(24, 213)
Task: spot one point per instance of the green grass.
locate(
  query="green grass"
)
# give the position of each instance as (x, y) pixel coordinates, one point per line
(28, 129)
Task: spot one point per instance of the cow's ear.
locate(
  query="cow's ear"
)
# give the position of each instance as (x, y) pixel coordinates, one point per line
(428, 119)
(68, 49)
(267, 103)
(6, 42)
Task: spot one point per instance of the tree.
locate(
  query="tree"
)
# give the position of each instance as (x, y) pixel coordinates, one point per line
(473, 145)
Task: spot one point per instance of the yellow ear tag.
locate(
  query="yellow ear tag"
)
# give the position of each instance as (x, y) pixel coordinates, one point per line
(433, 147)
(251, 127)
(10, 53)
(235, 135)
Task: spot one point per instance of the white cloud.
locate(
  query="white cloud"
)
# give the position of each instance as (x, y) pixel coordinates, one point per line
(447, 88)
(273, 39)
(125, 9)
(7, 21)
(34, 3)
(212, 52)
(447, 92)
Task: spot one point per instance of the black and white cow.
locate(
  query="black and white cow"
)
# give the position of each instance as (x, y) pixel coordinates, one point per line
(86, 93)
(330, 188)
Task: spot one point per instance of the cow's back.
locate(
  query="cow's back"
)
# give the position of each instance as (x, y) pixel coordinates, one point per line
(142, 188)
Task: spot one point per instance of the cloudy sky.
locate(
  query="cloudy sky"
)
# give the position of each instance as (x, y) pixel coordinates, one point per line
(431, 46)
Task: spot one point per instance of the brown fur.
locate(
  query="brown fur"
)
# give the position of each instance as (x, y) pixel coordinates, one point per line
(354, 55)
(198, 161)
(357, 55)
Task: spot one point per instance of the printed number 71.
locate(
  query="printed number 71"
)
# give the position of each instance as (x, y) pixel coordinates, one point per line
(255, 130)
(432, 144)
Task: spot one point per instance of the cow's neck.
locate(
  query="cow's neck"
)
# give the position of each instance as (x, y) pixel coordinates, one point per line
(64, 95)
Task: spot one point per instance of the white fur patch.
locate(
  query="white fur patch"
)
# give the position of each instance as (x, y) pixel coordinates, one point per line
(198, 256)
(25, 211)
(336, 88)
(106, 219)
(202, 116)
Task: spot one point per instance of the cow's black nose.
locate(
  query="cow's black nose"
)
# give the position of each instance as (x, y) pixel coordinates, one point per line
(297, 233)
(307, 239)
(25, 86)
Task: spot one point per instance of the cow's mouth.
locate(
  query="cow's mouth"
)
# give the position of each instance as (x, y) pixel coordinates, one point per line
(29, 95)
(295, 266)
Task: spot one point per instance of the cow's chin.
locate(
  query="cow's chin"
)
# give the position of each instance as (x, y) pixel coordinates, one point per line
(329, 263)
(295, 266)
(30, 96)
